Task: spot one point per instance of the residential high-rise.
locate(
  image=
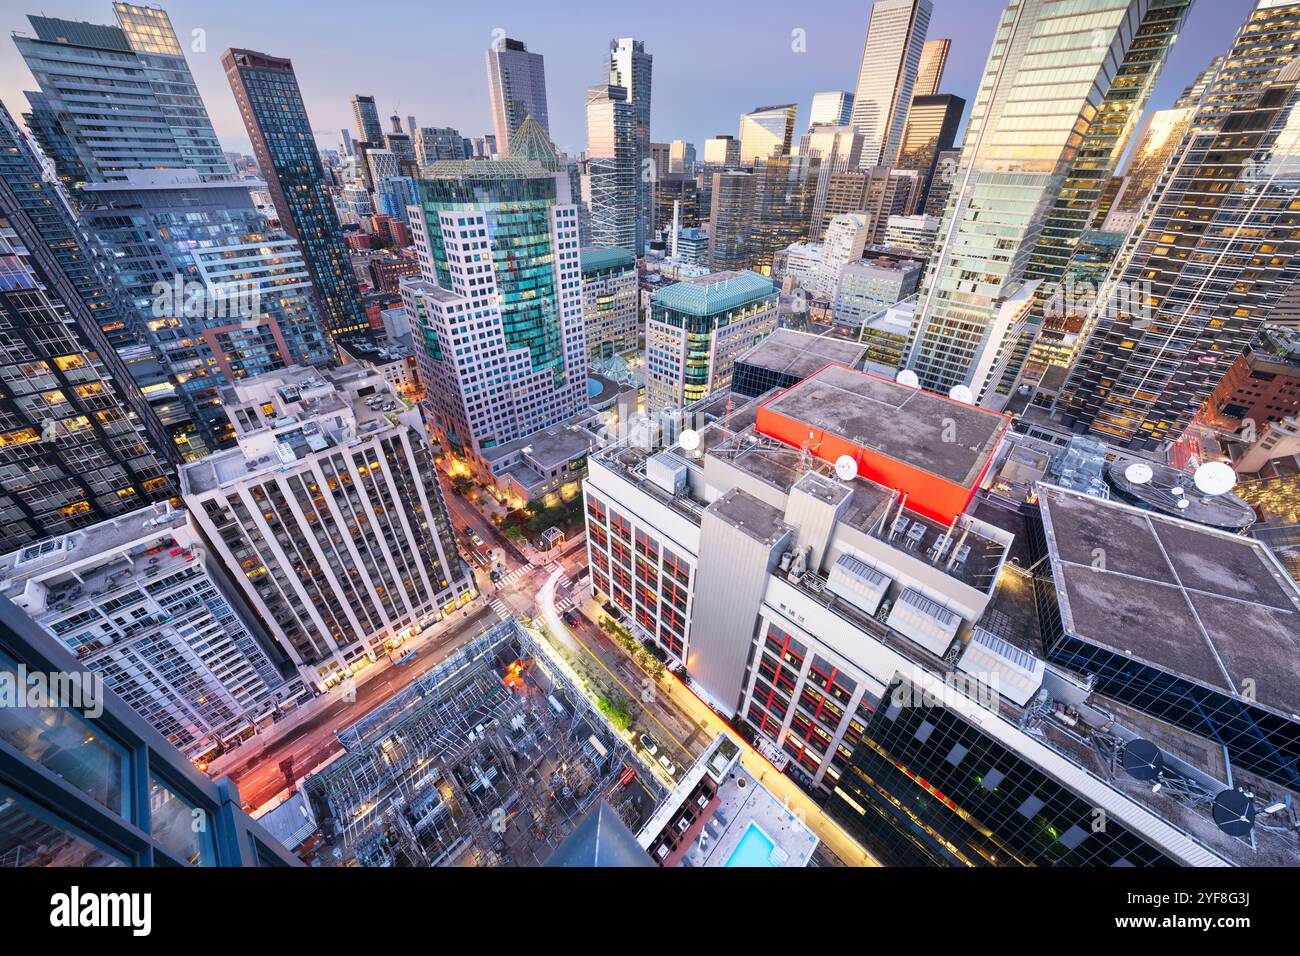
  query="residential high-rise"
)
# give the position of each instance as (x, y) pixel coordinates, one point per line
(402, 146)
(330, 507)
(891, 56)
(214, 292)
(722, 151)
(934, 57)
(610, 302)
(50, 230)
(96, 786)
(931, 129)
(437, 143)
(1213, 250)
(73, 447)
(497, 315)
(763, 131)
(631, 67)
(167, 636)
(831, 109)
(838, 148)
(681, 157)
(615, 181)
(366, 115)
(695, 330)
(975, 302)
(516, 88)
(120, 97)
(1088, 181)
(1154, 142)
(271, 106)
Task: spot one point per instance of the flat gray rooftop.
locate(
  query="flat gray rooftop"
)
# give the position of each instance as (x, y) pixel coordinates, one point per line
(755, 518)
(906, 424)
(801, 354)
(1211, 606)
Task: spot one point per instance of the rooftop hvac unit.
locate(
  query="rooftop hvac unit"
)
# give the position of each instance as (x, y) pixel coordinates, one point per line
(666, 471)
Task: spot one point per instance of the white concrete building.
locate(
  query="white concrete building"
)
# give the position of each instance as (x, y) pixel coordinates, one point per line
(331, 509)
(142, 600)
(869, 285)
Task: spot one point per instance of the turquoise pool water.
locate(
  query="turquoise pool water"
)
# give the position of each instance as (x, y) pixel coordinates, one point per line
(754, 849)
(593, 388)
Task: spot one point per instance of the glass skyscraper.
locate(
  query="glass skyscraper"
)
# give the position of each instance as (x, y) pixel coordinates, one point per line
(271, 105)
(891, 57)
(630, 67)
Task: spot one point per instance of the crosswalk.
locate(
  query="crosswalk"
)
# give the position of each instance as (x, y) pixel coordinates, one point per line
(513, 576)
(501, 609)
(565, 604)
(564, 578)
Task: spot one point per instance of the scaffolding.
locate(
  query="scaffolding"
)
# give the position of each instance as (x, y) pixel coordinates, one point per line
(460, 769)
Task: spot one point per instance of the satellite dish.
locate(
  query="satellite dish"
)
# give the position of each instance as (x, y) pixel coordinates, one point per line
(846, 468)
(962, 393)
(1142, 759)
(1138, 473)
(1176, 491)
(1184, 503)
(1214, 478)
(689, 439)
(1234, 812)
(909, 378)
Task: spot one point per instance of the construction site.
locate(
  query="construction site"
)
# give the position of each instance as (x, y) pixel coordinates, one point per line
(490, 759)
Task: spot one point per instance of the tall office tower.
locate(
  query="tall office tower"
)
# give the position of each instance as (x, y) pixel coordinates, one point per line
(630, 67)
(497, 314)
(681, 157)
(71, 446)
(1153, 144)
(119, 97)
(1088, 181)
(85, 787)
(784, 189)
(331, 508)
(271, 105)
(382, 162)
(517, 88)
(765, 130)
(934, 57)
(722, 151)
(141, 600)
(941, 181)
(50, 230)
(345, 143)
(846, 192)
(831, 109)
(214, 291)
(730, 218)
(838, 148)
(610, 302)
(1212, 253)
(974, 302)
(366, 114)
(615, 178)
(891, 57)
(678, 194)
(889, 192)
(696, 328)
(434, 143)
(1191, 95)
(402, 146)
(931, 129)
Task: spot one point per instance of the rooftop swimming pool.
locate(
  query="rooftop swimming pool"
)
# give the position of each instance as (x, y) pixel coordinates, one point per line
(754, 849)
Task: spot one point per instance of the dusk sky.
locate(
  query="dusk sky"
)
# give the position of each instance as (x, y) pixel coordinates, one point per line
(712, 60)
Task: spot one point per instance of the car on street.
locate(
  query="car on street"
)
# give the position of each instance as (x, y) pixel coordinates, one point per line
(478, 542)
(667, 764)
(649, 744)
(570, 619)
(469, 529)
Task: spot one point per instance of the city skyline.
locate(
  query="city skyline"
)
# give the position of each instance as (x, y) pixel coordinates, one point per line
(576, 50)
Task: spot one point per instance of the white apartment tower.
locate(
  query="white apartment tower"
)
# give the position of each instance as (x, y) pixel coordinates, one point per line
(330, 514)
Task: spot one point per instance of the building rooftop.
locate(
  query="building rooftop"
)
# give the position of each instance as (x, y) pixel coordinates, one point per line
(714, 293)
(747, 514)
(601, 839)
(801, 354)
(945, 438)
(595, 260)
(1213, 607)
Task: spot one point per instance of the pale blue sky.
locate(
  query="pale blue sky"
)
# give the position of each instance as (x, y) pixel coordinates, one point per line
(714, 59)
